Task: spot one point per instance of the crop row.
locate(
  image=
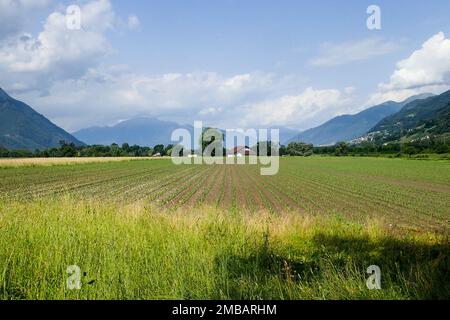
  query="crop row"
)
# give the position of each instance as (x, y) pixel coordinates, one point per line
(406, 193)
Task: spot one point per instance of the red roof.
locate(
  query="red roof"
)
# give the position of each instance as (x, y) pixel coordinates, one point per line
(244, 150)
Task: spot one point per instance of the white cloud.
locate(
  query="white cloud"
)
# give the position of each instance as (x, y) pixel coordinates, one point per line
(343, 53)
(105, 95)
(133, 22)
(425, 70)
(13, 14)
(403, 94)
(57, 53)
(430, 65)
(59, 72)
(302, 111)
(58, 49)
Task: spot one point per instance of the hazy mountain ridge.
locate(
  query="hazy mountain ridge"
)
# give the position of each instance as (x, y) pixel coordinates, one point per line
(419, 117)
(145, 131)
(141, 131)
(350, 127)
(22, 128)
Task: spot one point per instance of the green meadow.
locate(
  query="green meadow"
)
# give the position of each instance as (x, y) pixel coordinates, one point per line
(147, 229)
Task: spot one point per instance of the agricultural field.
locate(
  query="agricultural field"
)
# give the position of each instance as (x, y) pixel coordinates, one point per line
(32, 162)
(147, 229)
(411, 194)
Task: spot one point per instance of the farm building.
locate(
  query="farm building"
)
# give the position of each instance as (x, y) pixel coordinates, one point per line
(241, 151)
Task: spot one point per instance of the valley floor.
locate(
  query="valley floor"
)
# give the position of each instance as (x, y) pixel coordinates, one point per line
(147, 229)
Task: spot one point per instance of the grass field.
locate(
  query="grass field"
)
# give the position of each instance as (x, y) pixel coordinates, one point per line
(147, 229)
(33, 162)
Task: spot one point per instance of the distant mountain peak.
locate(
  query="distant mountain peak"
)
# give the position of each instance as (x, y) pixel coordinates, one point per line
(3, 95)
(427, 115)
(140, 121)
(418, 97)
(22, 128)
(142, 130)
(350, 127)
(147, 131)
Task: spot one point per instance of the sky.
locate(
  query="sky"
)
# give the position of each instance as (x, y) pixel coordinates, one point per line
(228, 63)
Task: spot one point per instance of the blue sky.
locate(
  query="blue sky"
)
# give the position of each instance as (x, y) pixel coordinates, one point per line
(229, 63)
(233, 37)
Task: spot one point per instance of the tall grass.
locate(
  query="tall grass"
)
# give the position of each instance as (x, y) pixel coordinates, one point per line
(39, 162)
(138, 252)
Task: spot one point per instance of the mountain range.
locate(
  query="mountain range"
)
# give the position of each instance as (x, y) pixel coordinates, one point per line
(349, 127)
(140, 131)
(22, 128)
(147, 132)
(430, 116)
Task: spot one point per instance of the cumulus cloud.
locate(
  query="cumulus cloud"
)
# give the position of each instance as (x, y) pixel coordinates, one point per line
(13, 14)
(430, 65)
(58, 48)
(60, 73)
(303, 110)
(105, 95)
(57, 52)
(343, 53)
(425, 70)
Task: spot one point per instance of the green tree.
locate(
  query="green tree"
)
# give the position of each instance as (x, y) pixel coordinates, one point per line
(125, 147)
(260, 152)
(213, 139)
(66, 149)
(168, 150)
(299, 149)
(159, 148)
(410, 150)
(115, 150)
(341, 149)
(283, 150)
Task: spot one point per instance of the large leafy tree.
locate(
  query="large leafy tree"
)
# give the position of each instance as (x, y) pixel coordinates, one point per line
(213, 139)
(159, 148)
(341, 149)
(299, 149)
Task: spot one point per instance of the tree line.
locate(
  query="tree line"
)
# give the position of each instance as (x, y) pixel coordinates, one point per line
(69, 150)
(395, 149)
